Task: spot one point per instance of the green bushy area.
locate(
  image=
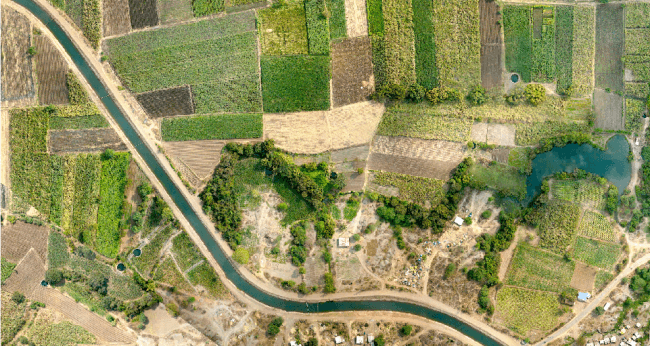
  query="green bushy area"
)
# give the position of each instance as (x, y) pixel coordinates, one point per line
(56, 190)
(318, 33)
(375, 18)
(518, 40)
(86, 196)
(91, 22)
(634, 115)
(637, 15)
(338, 24)
(504, 179)
(150, 252)
(57, 250)
(639, 65)
(112, 185)
(564, 47)
(59, 334)
(531, 134)
(557, 222)
(13, 317)
(283, 30)
(525, 310)
(222, 126)
(7, 269)
(397, 44)
(239, 95)
(169, 274)
(296, 83)
(78, 123)
(543, 49)
(185, 252)
(637, 41)
(205, 276)
(596, 253)
(207, 7)
(425, 43)
(637, 90)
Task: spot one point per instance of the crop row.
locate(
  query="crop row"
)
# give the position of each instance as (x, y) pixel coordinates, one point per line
(634, 115)
(595, 225)
(416, 189)
(427, 126)
(283, 30)
(637, 41)
(537, 269)
(580, 191)
(113, 183)
(564, 47)
(524, 310)
(557, 225)
(518, 40)
(596, 253)
(86, 196)
(77, 123)
(531, 134)
(584, 49)
(57, 250)
(337, 21)
(398, 40)
(637, 90)
(151, 252)
(201, 127)
(425, 44)
(639, 65)
(543, 49)
(637, 15)
(318, 33)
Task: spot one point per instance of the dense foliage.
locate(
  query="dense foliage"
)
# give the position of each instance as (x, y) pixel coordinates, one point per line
(77, 94)
(487, 269)
(113, 183)
(426, 70)
(318, 33)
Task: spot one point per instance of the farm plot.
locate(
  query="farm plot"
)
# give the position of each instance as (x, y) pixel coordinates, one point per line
(185, 251)
(85, 140)
(352, 77)
(78, 123)
(491, 44)
(86, 197)
(425, 44)
(584, 27)
(434, 169)
(564, 47)
(596, 253)
(584, 277)
(318, 34)
(540, 270)
(69, 163)
(523, 310)
(207, 7)
(356, 19)
(417, 189)
(531, 134)
(222, 126)
(283, 30)
(633, 115)
(56, 188)
(637, 68)
(200, 156)
(173, 11)
(113, 183)
(205, 276)
(235, 95)
(637, 90)
(51, 70)
(581, 191)
(637, 41)
(609, 110)
(354, 124)
(17, 81)
(27, 275)
(610, 46)
(44, 332)
(18, 238)
(418, 148)
(543, 53)
(504, 179)
(143, 13)
(458, 42)
(167, 102)
(337, 21)
(169, 274)
(394, 53)
(57, 250)
(13, 316)
(557, 225)
(116, 17)
(296, 83)
(396, 122)
(637, 15)
(151, 252)
(518, 40)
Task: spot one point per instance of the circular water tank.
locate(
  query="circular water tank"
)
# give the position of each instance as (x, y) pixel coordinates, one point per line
(514, 78)
(121, 267)
(137, 252)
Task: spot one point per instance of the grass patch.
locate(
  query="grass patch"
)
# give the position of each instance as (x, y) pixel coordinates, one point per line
(113, 183)
(298, 208)
(540, 270)
(375, 18)
(201, 127)
(504, 179)
(524, 310)
(86, 195)
(239, 95)
(185, 251)
(564, 47)
(13, 318)
(296, 83)
(557, 223)
(338, 24)
(543, 54)
(249, 174)
(7, 269)
(169, 274)
(584, 49)
(78, 123)
(205, 276)
(518, 40)
(352, 206)
(602, 278)
(124, 287)
(596, 253)
(531, 134)
(634, 115)
(318, 33)
(398, 122)
(520, 159)
(417, 189)
(283, 30)
(637, 15)
(151, 252)
(57, 250)
(426, 70)
(399, 53)
(59, 334)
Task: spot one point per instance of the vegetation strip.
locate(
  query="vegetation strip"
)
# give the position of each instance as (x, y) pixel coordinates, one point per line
(202, 127)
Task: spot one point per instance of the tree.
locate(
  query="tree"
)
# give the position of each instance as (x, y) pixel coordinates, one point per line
(32, 51)
(311, 342)
(274, 326)
(599, 310)
(535, 93)
(380, 341)
(486, 214)
(173, 309)
(407, 329)
(53, 276)
(357, 247)
(241, 255)
(476, 95)
(144, 190)
(329, 283)
(416, 93)
(98, 282)
(18, 297)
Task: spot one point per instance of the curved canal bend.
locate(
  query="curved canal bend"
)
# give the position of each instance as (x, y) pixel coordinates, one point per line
(231, 273)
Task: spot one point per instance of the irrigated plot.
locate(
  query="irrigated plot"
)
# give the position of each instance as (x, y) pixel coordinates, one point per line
(610, 46)
(220, 126)
(352, 78)
(540, 270)
(411, 123)
(283, 30)
(17, 81)
(518, 40)
(143, 13)
(584, 26)
(596, 253)
(167, 102)
(51, 70)
(86, 140)
(117, 19)
(524, 310)
(18, 238)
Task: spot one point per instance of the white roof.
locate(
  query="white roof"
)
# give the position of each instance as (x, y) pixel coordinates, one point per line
(371, 338)
(607, 306)
(359, 340)
(606, 340)
(458, 221)
(292, 343)
(638, 325)
(613, 339)
(338, 339)
(590, 344)
(344, 242)
(631, 343)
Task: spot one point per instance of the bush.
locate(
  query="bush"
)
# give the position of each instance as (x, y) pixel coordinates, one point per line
(406, 329)
(484, 297)
(449, 271)
(36, 305)
(416, 93)
(173, 309)
(23, 340)
(395, 92)
(356, 237)
(241, 255)
(357, 247)
(302, 270)
(329, 283)
(380, 341)
(53, 276)
(311, 342)
(476, 95)
(283, 207)
(535, 94)
(486, 214)
(441, 94)
(599, 310)
(18, 297)
(274, 326)
(468, 220)
(32, 51)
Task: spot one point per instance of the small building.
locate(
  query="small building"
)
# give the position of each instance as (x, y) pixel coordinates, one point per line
(344, 242)
(638, 325)
(371, 339)
(359, 340)
(606, 341)
(583, 296)
(631, 342)
(622, 331)
(590, 344)
(292, 343)
(613, 339)
(338, 340)
(606, 307)
(458, 220)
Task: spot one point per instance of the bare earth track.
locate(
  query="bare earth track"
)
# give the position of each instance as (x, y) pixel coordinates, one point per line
(51, 70)
(356, 18)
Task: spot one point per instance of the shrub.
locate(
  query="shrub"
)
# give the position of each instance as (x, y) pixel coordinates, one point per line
(468, 220)
(486, 214)
(302, 270)
(535, 93)
(449, 271)
(357, 247)
(380, 341)
(356, 237)
(274, 326)
(18, 297)
(406, 329)
(599, 310)
(173, 309)
(312, 342)
(329, 283)
(241, 255)
(476, 95)
(393, 91)
(53, 276)
(23, 340)
(484, 297)
(36, 305)
(32, 51)
(416, 93)
(302, 288)
(283, 207)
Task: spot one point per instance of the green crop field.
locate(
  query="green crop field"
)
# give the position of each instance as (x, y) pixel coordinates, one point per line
(524, 310)
(151, 252)
(338, 24)
(602, 278)
(398, 122)
(557, 225)
(596, 253)
(205, 276)
(13, 317)
(584, 49)
(518, 40)
(637, 41)
(91, 21)
(416, 189)
(69, 164)
(581, 191)
(375, 18)
(564, 47)
(57, 250)
(540, 270)
(543, 49)
(296, 83)
(457, 43)
(113, 183)
(77, 123)
(207, 7)
(56, 189)
(531, 134)
(398, 41)
(318, 32)
(637, 90)
(634, 115)
(7, 269)
(639, 65)
(425, 43)
(185, 252)
(64, 333)
(222, 126)
(504, 179)
(637, 15)
(283, 30)
(169, 274)
(86, 195)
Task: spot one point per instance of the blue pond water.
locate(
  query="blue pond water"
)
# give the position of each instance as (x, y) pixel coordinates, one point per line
(137, 252)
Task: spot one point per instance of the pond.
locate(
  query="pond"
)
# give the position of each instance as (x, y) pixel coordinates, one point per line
(514, 78)
(611, 164)
(137, 252)
(121, 267)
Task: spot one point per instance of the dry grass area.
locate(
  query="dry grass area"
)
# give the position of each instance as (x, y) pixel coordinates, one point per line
(498, 134)
(583, 277)
(18, 238)
(17, 80)
(609, 110)
(316, 132)
(117, 20)
(456, 291)
(415, 167)
(199, 156)
(356, 18)
(87, 140)
(51, 71)
(352, 77)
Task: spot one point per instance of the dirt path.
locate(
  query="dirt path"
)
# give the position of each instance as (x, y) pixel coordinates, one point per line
(356, 18)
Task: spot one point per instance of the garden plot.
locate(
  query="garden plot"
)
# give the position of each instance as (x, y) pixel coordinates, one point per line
(85, 140)
(356, 18)
(419, 148)
(419, 124)
(173, 11)
(352, 77)
(524, 311)
(596, 253)
(543, 49)
(51, 70)
(564, 47)
(117, 20)
(637, 90)
(143, 13)
(18, 238)
(200, 156)
(167, 102)
(315, 268)
(608, 107)
(283, 30)
(585, 192)
(206, 127)
(518, 40)
(423, 191)
(610, 46)
(17, 81)
(637, 68)
(583, 277)
(425, 44)
(583, 49)
(536, 269)
(415, 167)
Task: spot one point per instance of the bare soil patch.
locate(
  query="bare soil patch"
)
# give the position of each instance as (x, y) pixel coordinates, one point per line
(609, 110)
(87, 140)
(583, 277)
(117, 19)
(359, 153)
(416, 167)
(356, 18)
(27, 275)
(610, 46)
(352, 78)
(501, 134)
(200, 156)
(479, 132)
(18, 238)
(17, 80)
(167, 102)
(143, 13)
(419, 148)
(51, 70)
(172, 11)
(491, 45)
(456, 291)
(354, 124)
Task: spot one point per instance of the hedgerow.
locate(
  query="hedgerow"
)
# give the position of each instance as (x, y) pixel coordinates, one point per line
(318, 34)
(113, 183)
(223, 126)
(518, 40)
(297, 251)
(92, 22)
(425, 44)
(295, 83)
(207, 7)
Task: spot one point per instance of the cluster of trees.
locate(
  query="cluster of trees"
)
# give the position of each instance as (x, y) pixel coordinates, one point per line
(640, 282)
(643, 189)
(612, 199)
(417, 93)
(484, 300)
(487, 269)
(274, 326)
(406, 214)
(297, 251)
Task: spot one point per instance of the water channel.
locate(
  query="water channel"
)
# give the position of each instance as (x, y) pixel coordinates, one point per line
(230, 271)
